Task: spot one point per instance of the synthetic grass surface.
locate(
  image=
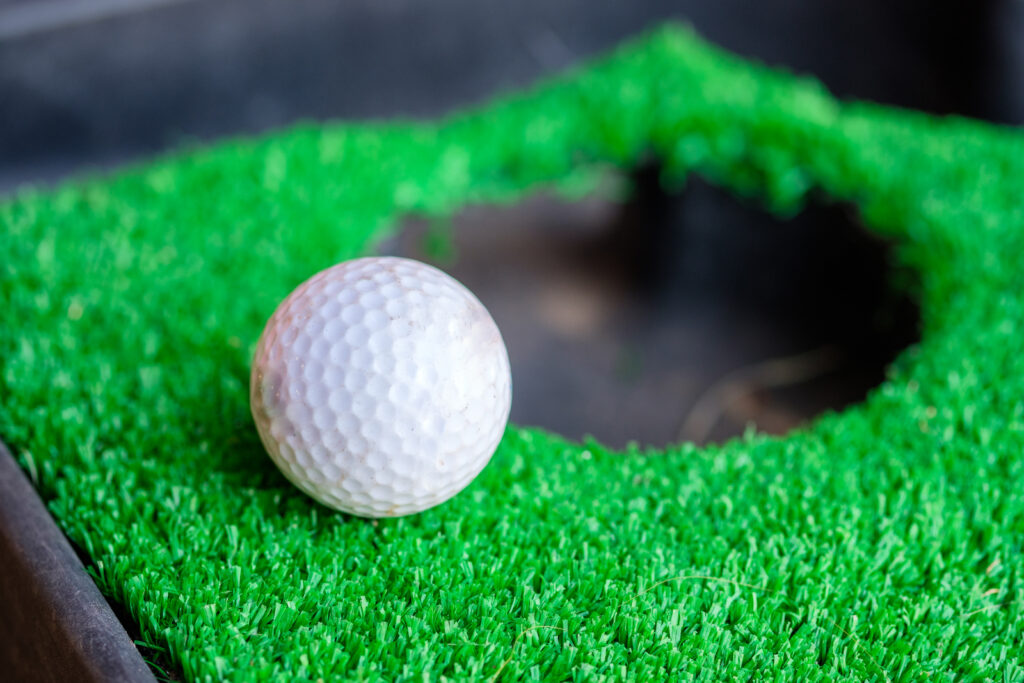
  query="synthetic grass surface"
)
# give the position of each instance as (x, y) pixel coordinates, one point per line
(882, 543)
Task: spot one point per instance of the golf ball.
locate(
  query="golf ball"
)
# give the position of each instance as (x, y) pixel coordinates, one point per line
(381, 387)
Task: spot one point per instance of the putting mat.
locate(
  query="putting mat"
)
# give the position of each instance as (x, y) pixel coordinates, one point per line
(880, 543)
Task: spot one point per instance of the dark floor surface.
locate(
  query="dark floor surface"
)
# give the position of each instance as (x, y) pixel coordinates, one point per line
(92, 83)
(761, 321)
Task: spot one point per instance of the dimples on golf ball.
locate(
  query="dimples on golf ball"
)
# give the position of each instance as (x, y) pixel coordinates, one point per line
(381, 387)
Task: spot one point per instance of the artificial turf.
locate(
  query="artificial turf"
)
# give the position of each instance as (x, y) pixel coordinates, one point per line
(881, 543)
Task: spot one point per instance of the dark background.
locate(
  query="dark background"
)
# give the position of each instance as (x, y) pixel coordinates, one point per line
(94, 82)
(608, 338)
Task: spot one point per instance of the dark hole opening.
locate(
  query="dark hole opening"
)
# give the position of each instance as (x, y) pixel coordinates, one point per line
(677, 317)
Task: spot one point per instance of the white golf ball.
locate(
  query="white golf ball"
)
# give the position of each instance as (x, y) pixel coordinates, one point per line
(381, 387)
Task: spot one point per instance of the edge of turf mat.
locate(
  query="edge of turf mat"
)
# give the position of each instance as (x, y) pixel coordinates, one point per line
(884, 542)
(55, 625)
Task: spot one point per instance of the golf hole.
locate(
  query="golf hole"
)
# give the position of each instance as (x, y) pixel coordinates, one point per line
(677, 317)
